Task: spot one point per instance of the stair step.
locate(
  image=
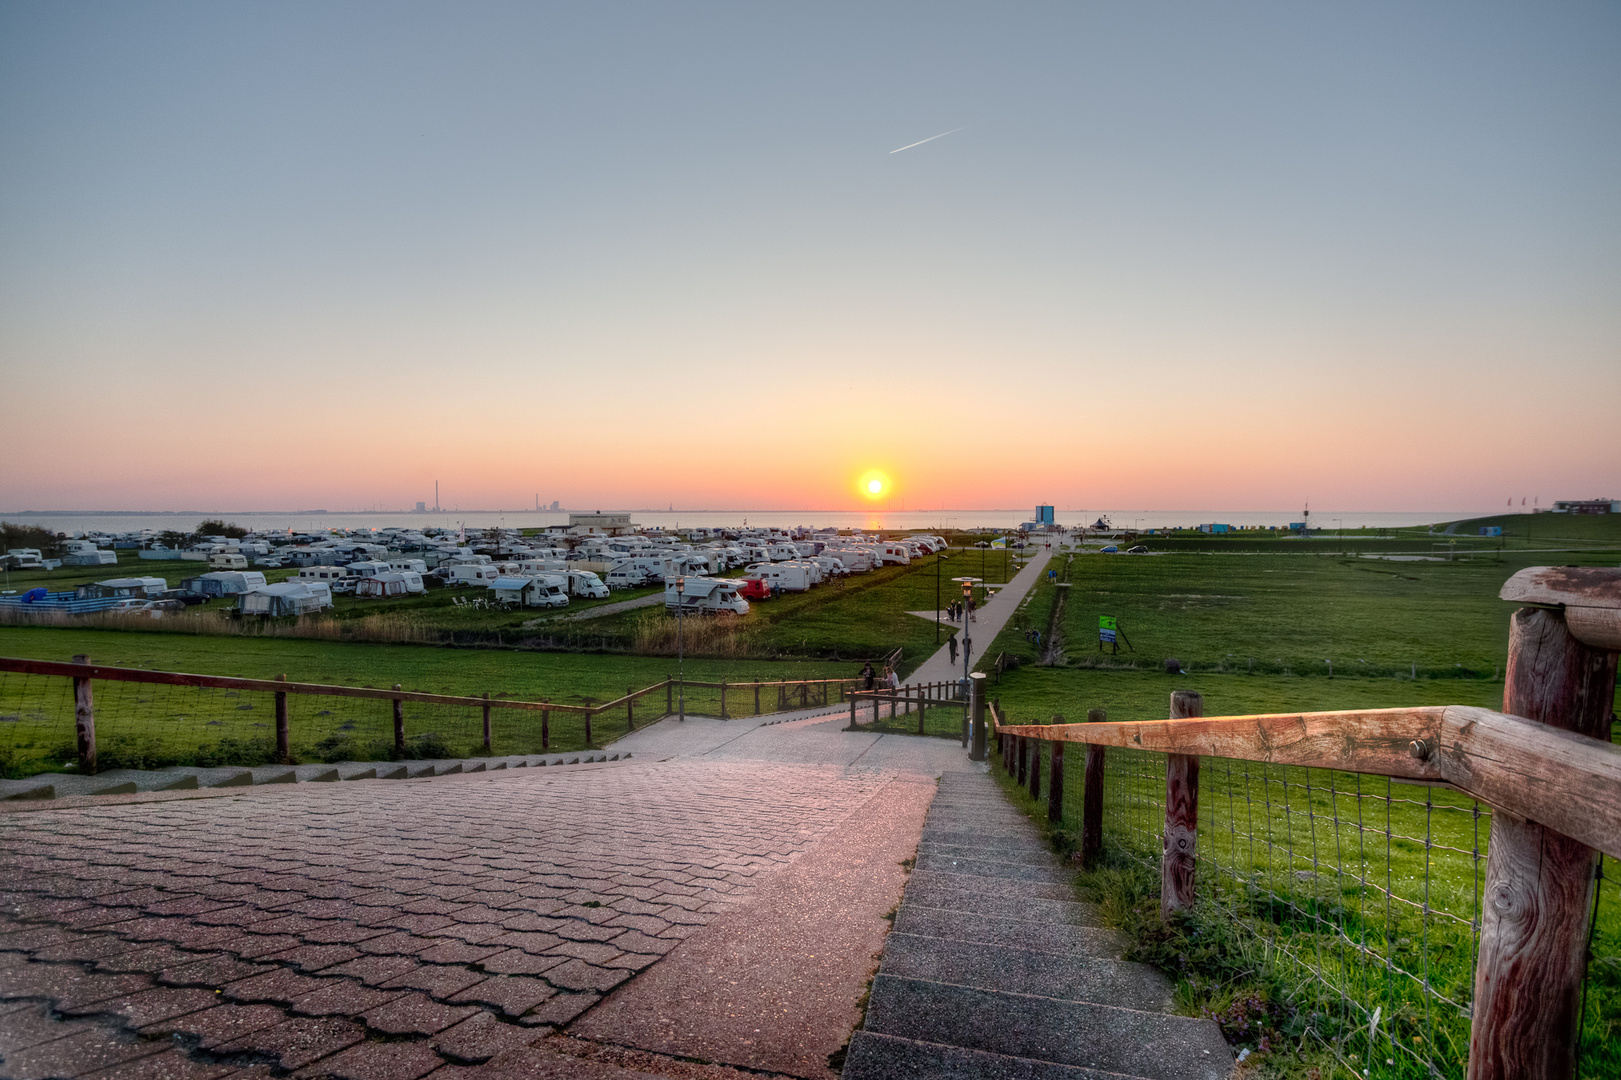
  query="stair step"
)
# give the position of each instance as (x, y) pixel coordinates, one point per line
(1153, 1045)
(873, 1056)
(1079, 974)
(1006, 888)
(1037, 935)
(987, 866)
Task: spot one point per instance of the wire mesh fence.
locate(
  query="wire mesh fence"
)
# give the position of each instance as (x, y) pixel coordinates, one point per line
(1360, 895)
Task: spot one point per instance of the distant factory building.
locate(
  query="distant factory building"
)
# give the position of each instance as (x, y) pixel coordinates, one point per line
(1587, 506)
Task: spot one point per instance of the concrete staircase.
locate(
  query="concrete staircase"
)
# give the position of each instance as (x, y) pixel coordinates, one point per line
(994, 969)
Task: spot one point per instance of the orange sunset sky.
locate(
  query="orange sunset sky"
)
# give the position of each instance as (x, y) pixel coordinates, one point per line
(1228, 255)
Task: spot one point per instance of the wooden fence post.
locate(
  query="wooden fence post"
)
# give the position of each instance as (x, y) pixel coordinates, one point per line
(283, 749)
(84, 718)
(852, 726)
(723, 699)
(630, 709)
(1538, 898)
(1020, 762)
(1035, 769)
(588, 727)
(399, 722)
(669, 695)
(486, 721)
(1055, 780)
(756, 699)
(1092, 796)
(545, 730)
(1181, 815)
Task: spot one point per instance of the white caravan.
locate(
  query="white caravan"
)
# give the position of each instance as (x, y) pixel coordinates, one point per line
(586, 585)
(706, 596)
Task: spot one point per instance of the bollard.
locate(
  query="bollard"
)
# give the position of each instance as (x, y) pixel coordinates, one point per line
(283, 753)
(976, 692)
(1092, 796)
(486, 721)
(84, 718)
(1181, 815)
(756, 699)
(399, 723)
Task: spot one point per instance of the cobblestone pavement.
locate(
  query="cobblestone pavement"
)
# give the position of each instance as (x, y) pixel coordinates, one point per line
(382, 929)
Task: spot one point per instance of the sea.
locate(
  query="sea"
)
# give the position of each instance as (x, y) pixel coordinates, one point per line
(74, 521)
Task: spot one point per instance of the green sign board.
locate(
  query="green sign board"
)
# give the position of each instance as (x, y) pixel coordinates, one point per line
(1106, 622)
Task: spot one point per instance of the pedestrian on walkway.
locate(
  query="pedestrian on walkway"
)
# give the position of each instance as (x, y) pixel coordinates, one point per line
(951, 649)
(971, 606)
(867, 675)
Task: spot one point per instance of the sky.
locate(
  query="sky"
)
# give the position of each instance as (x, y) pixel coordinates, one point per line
(266, 256)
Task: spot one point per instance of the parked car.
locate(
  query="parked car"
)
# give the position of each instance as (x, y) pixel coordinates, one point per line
(129, 604)
(1138, 550)
(185, 596)
(342, 586)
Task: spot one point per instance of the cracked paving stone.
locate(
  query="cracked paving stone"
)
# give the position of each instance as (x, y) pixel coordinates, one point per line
(438, 981)
(514, 995)
(313, 957)
(376, 1061)
(86, 1051)
(519, 962)
(481, 1037)
(221, 1024)
(149, 1007)
(559, 1009)
(578, 975)
(297, 1042)
(343, 997)
(416, 1014)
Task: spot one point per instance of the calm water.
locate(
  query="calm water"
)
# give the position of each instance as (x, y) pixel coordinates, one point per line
(263, 521)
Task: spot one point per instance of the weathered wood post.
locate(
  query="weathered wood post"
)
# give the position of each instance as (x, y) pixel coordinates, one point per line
(723, 699)
(545, 728)
(1055, 779)
(1181, 815)
(1092, 796)
(630, 708)
(486, 721)
(1020, 761)
(283, 750)
(1538, 898)
(588, 727)
(756, 699)
(399, 723)
(84, 718)
(852, 726)
(1035, 769)
(669, 695)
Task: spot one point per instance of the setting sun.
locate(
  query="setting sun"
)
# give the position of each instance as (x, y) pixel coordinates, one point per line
(873, 484)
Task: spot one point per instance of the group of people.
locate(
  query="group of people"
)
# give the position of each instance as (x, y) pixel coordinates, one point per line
(1034, 637)
(955, 611)
(869, 678)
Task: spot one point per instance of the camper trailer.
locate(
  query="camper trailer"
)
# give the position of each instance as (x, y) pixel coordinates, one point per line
(139, 587)
(365, 568)
(783, 577)
(472, 574)
(223, 582)
(327, 574)
(415, 566)
(709, 596)
(286, 598)
(227, 560)
(85, 553)
(388, 583)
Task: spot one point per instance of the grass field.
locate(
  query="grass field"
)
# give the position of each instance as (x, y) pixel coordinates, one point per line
(1311, 916)
(138, 724)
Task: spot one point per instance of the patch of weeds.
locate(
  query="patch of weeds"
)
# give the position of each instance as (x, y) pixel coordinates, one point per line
(908, 864)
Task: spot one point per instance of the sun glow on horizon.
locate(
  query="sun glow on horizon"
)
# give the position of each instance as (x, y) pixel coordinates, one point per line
(873, 485)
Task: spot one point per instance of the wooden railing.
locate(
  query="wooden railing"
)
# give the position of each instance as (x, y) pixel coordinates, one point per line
(1545, 765)
(84, 674)
(903, 699)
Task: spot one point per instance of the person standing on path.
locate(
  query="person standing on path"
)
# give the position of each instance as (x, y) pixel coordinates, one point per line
(971, 606)
(951, 648)
(867, 675)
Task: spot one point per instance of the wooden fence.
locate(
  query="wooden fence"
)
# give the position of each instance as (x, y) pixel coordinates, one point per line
(1545, 766)
(788, 694)
(904, 699)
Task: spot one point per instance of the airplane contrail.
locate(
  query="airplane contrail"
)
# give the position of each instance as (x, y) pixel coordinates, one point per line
(931, 138)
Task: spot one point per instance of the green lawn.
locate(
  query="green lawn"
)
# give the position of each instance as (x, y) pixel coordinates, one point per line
(146, 724)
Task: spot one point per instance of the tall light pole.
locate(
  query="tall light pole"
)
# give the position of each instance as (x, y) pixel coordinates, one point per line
(680, 650)
(938, 560)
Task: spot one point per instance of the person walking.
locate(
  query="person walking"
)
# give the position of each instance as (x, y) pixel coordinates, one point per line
(971, 606)
(867, 675)
(951, 649)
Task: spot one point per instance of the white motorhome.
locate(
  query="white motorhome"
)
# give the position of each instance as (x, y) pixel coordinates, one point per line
(26, 558)
(855, 560)
(626, 576)
(586, 585)
(782, 551)
(891, 553)
(784, 577)
(546, 565)
(701, 595)
(542, 591)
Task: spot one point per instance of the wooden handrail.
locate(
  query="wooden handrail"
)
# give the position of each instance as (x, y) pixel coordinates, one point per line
(1571, 783)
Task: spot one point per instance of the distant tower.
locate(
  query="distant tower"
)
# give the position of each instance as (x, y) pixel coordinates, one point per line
(1305, 520)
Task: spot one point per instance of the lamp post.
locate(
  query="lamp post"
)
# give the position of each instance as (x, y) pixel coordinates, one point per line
(680, 651)
(938, 560)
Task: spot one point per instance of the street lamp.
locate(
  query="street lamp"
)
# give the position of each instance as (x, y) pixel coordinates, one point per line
(680, 650)
(938, 560)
